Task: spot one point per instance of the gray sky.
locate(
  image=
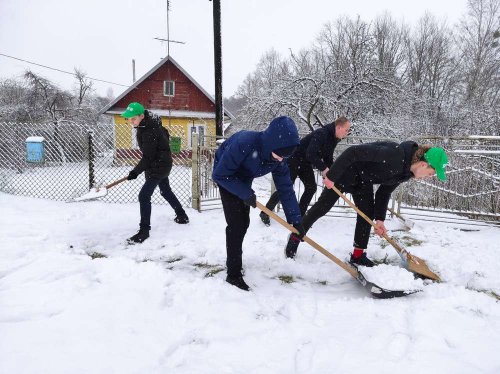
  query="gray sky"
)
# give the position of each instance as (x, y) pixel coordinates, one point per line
(103, 36)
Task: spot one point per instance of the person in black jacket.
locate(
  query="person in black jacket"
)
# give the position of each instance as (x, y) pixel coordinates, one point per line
(156, 162)
(357, 170)
(314, 151)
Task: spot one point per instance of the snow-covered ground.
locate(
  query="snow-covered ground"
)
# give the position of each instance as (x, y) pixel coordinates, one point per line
(75, 299)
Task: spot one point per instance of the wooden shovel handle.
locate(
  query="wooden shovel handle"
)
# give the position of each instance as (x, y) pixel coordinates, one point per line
(308, 240)
(396, 246)
(112, 184)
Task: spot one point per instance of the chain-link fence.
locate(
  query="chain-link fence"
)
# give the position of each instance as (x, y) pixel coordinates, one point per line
(63, 160)
(472, 188)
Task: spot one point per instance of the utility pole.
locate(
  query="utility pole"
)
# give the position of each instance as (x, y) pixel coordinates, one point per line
(219, 109)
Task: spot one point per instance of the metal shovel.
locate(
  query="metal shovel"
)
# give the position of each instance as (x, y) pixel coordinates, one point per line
(376, 291)
(96, 193)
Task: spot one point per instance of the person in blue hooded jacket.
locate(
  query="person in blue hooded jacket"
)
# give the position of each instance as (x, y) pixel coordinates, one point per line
(241, 158)
(315, 151)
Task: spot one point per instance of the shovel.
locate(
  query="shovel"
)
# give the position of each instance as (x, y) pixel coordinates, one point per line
(412, 263)
(376, 291)
(98, 192)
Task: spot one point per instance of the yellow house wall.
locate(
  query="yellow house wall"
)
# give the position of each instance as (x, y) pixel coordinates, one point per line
(178, 127)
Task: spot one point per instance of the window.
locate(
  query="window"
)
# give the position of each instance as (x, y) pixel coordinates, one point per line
(168, 88)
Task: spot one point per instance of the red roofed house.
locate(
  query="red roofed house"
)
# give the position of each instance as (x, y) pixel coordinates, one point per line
(184, 106)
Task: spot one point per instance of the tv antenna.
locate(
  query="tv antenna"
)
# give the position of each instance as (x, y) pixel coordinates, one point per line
(168, 40)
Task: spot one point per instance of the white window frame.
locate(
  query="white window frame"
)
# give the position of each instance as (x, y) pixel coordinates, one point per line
(197, 126)
(165, 88)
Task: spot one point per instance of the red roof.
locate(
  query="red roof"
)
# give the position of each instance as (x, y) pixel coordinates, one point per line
(148, 90)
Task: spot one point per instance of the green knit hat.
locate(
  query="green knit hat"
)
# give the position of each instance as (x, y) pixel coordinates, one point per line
(133, 109)
(436, 157)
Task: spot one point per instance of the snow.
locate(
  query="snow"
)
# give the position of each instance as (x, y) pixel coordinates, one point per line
(477, 151)
(487, 137)
(391, 277)
(35, 139)
(163, 306)
(94, 193)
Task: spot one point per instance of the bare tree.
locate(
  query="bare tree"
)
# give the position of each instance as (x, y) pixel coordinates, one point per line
(478, 41)
(49, 97)
(14, 105)
(390, 80)
(388, 39)
(84, 86)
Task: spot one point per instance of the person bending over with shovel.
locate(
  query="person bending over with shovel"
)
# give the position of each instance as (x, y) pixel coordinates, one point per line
(314, 151)
(356, 171)
(241, 158)
(156, 162)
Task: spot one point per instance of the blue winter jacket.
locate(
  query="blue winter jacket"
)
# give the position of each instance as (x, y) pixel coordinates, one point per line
(247, 155)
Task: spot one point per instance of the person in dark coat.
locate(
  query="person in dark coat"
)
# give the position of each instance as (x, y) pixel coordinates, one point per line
(156, 163)
(241, 158)
(315, 151)
(356, 171)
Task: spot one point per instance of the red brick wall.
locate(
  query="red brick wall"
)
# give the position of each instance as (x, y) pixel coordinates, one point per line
(150, 93)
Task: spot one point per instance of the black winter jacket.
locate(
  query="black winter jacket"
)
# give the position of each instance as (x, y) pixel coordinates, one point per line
(153, 141)
(361, 166)
(317, 147)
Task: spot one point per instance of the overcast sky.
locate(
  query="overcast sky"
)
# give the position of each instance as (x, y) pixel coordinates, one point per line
(102, 37)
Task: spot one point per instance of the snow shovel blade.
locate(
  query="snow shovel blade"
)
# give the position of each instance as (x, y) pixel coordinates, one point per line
(93, 194)
(418, 266)
(96, 193)
(379, 292)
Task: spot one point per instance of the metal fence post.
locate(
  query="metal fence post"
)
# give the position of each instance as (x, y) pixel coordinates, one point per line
(393, 204)
(91, 159)
(195, 179)
(400, 199)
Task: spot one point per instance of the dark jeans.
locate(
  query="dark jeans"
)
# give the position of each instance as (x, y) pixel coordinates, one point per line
(145, 199)
(237, 215)
(305, 173)
(363, 199)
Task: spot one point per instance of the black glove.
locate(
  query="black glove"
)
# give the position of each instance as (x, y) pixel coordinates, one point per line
(251, 201)
(302, 231)
(132, 175)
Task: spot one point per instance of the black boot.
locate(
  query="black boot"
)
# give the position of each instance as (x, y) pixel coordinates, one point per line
(265, 219)
(292, 245)
(181, 218)
(361, 261)
(238, 282)
(142, 235)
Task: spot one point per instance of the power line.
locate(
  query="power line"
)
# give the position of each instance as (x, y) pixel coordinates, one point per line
(62, 71)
